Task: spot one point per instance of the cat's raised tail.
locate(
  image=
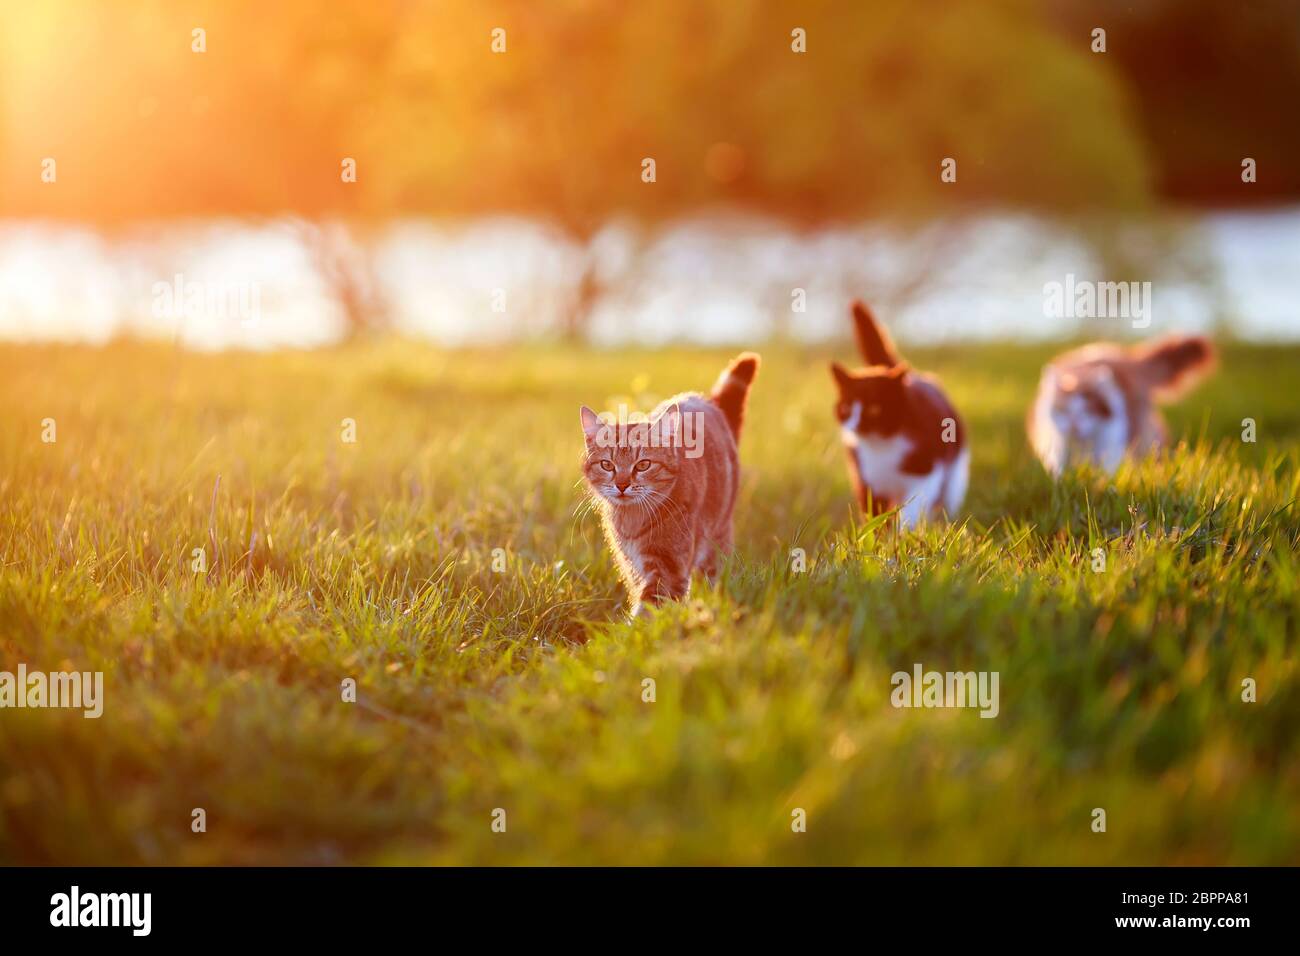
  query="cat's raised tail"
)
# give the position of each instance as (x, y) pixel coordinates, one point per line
(1171, 366)
(732, 389)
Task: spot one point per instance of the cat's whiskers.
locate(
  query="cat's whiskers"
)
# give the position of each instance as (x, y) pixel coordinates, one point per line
(672, 510)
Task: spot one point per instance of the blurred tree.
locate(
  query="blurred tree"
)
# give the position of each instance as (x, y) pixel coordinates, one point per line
(1213, 83)
(550, 110)
(559, 123)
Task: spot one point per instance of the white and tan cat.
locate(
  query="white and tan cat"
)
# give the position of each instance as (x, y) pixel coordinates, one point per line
(1097, 404)
(666, 487)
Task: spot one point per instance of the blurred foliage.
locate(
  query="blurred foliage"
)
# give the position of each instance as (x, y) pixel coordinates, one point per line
(559, 123)
(1212, 83)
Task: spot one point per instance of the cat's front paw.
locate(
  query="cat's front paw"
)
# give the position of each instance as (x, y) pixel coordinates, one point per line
(654, 593)
(641, 609)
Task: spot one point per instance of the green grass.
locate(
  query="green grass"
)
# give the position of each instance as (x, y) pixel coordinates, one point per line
(523, 689)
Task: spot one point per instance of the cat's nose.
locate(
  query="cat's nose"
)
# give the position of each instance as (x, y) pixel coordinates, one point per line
(622, 485)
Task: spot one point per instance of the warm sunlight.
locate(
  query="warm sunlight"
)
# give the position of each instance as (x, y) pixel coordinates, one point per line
(650, 441)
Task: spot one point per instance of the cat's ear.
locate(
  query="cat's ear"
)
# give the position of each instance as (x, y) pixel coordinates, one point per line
(873, 340)
(667, 426)
(841, 375)
(899, 371)
(591, 423)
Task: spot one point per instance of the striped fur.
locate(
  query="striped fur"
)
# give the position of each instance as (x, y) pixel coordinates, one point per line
(667, 511)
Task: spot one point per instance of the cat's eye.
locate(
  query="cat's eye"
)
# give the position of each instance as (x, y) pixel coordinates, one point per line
(642, 465)
(607, 464)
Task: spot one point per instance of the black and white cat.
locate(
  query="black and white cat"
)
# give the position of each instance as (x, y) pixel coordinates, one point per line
(906, 444)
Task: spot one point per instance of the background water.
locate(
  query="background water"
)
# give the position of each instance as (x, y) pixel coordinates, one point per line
(715, 280)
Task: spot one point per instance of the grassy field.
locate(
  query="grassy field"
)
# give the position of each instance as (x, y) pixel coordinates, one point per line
(522, 689)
